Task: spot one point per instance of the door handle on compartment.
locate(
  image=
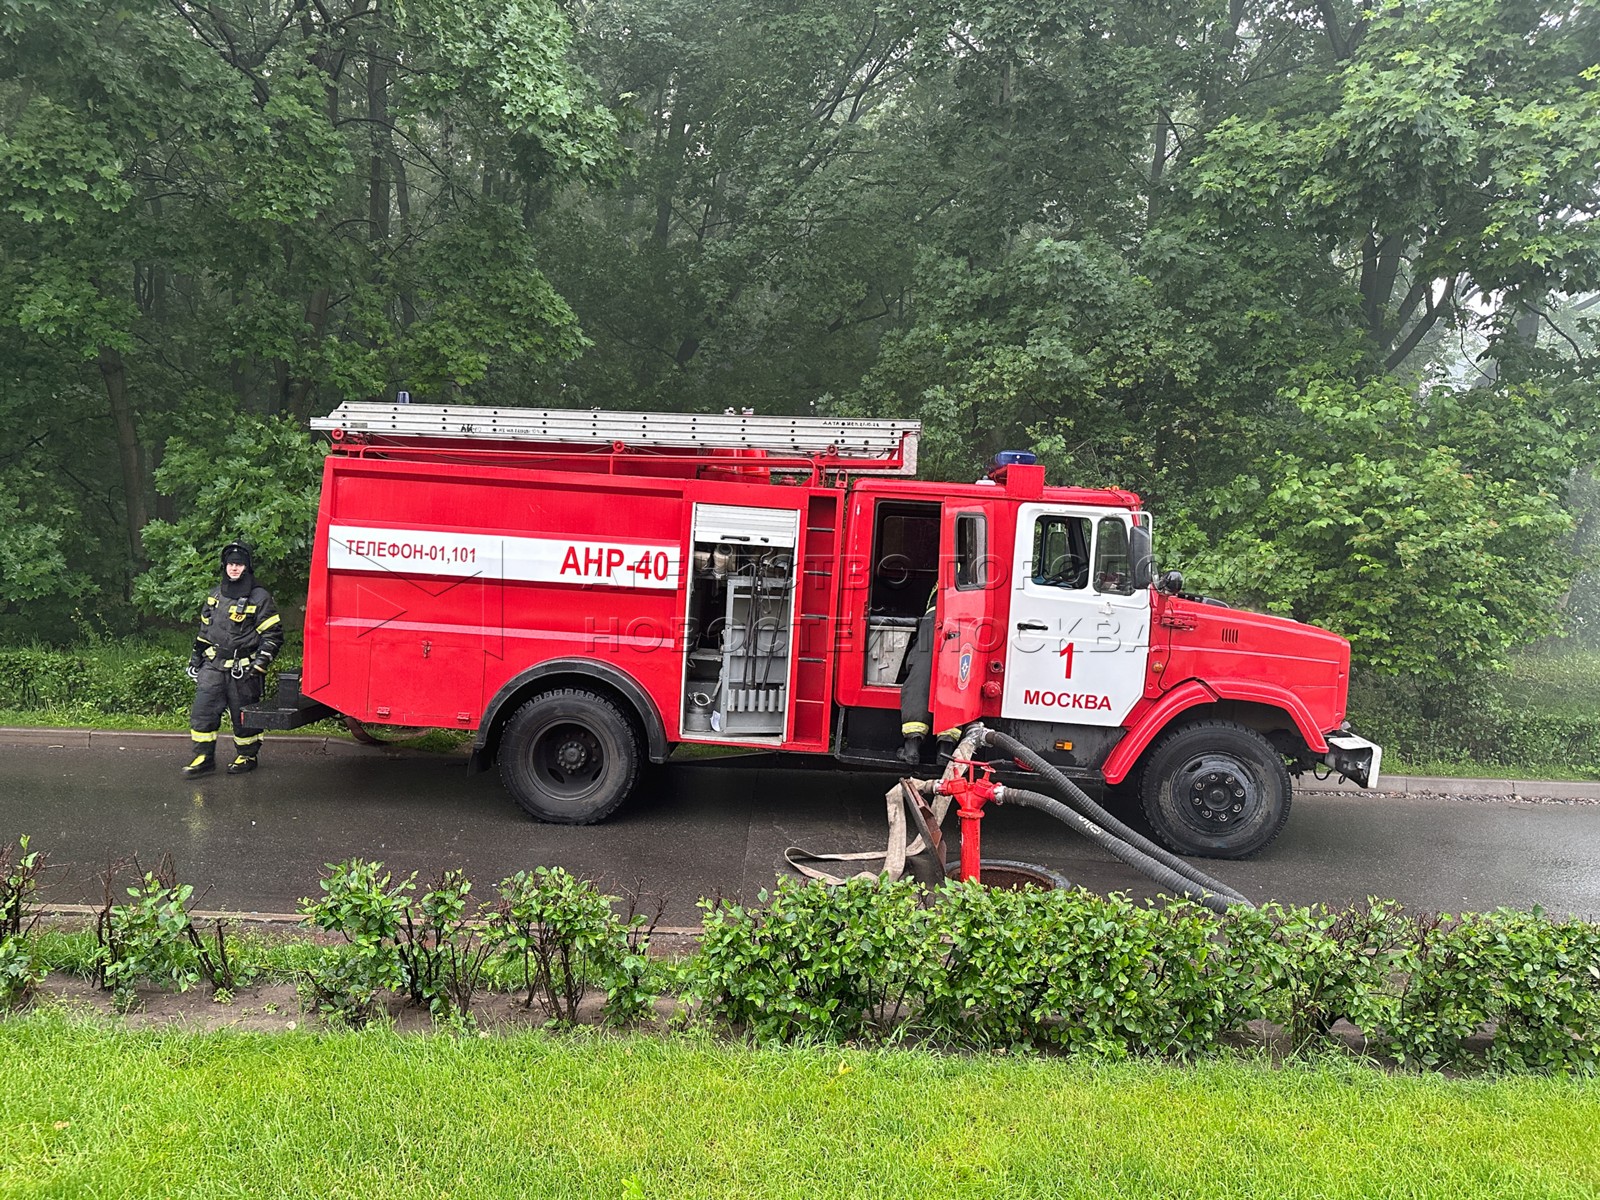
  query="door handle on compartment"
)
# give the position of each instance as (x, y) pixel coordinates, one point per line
(1033, 626)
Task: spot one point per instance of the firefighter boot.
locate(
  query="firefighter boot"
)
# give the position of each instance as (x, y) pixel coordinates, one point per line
(911, 752)
(204, 758)
(247, 748)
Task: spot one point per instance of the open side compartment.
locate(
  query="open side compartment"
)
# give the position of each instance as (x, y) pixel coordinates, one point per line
(905, 570)
(738, 656)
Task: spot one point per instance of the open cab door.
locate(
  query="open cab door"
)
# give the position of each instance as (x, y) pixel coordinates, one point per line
(965, 630)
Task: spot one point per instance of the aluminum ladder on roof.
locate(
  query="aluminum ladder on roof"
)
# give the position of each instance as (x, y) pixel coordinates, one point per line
(888, 447)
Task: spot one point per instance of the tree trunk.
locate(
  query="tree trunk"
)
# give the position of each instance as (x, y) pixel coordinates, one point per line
(1216, 84)
(166, 506)
(130, 455)
(317, 319)
(1158, 166)
(402, 204)
(378, 156)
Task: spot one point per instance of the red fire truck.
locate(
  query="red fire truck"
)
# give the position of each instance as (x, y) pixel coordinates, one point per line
(585, 591)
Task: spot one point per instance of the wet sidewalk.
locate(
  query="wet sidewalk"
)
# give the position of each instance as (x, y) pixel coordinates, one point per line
(1430, 785)
(259, 842)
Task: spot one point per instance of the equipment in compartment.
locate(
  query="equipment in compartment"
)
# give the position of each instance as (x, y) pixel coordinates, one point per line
(755, 653)
(741, 618)
(697, 712)
(888, 638)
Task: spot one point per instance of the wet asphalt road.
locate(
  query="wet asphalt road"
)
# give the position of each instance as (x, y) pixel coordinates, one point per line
(258, 842)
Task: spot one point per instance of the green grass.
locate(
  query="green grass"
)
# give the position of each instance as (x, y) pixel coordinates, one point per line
(278, 955)
(91, 1110)
(1559, 682)
(88, 718)
(1536, 720)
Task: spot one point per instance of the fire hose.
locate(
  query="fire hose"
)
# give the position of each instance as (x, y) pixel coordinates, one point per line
(901, 846)
(965, 781)
(1101, 827)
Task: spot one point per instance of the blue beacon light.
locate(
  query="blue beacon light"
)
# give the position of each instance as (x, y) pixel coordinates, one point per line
(1012, 458)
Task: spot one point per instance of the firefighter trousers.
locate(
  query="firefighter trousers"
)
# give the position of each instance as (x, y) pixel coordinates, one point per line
(916, 717)
(917, 680)
(216, 691)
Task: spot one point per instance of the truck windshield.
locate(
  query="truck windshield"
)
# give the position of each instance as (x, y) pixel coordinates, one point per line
(1061, 551)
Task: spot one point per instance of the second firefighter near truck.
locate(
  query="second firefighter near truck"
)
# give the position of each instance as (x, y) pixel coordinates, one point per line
(240, 634)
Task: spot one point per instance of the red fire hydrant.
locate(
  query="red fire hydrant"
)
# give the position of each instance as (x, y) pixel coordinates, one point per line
(972, 788)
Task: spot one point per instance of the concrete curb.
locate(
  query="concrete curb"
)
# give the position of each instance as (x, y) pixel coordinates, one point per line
(110, 739)
(1420, 785)
(1442, 785)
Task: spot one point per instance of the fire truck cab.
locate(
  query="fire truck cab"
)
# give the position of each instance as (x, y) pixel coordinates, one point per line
(585, 591)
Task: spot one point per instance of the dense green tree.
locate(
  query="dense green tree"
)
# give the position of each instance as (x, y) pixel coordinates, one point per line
(268, 206)
(1446, 155)
(1300, 272)
(1402, 523)
(1326, 191)
(259, 486)
(767, 226)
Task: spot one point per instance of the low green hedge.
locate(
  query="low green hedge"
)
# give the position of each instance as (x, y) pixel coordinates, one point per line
(874, 961)
(1501, 722)
(1076, 971)
(139, 679)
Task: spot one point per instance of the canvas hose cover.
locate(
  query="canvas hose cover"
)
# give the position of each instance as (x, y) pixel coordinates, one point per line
(892, 858)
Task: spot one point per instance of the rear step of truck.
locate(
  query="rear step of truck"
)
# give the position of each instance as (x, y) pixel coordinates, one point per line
(290, 709)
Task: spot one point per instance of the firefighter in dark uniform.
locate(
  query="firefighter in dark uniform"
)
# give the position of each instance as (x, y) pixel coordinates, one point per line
(916, 689)
(240, 634)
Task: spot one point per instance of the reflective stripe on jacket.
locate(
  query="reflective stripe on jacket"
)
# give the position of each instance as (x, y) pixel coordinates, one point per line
(243, 628)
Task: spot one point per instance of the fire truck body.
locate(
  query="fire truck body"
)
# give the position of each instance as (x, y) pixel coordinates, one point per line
(583, 604)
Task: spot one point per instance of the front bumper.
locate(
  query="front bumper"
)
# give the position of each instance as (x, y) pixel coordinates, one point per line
(1357, 759)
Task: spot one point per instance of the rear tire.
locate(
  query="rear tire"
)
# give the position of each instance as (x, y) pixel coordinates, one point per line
(570, 757)
(1215, 789)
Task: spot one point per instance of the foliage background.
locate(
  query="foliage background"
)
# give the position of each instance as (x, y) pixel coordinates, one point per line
(1316, 278)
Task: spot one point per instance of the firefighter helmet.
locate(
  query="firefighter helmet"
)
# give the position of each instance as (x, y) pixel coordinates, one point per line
(238, 552)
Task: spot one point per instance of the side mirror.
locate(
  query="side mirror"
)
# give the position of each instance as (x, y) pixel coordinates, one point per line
(1139, 549)
(1170, 583)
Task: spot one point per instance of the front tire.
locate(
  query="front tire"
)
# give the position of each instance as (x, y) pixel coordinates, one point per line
(1214, 789)
(570, 757)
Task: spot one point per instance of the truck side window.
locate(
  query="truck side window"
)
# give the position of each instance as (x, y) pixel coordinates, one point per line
(905, 559)
(1061, 551)
(972, 548)
(1112, 569)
